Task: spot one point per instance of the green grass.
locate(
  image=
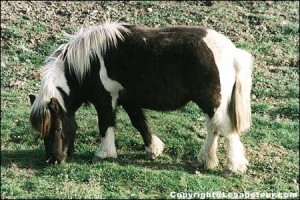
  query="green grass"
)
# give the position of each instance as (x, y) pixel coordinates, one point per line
(267, 30)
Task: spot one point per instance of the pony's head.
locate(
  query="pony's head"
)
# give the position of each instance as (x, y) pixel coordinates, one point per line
(49, 115)
(57, 129)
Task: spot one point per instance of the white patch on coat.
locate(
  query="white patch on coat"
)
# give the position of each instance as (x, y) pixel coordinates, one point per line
(107, 147)
(113, 87)
(224, 51)
(145, 40)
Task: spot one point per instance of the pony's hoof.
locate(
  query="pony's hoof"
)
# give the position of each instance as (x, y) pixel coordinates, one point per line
(155, 149)
(197, 164)
(150, 155)
(227, 173)
(153, 155)
(96, 159)
(208, 164)
(236, 168)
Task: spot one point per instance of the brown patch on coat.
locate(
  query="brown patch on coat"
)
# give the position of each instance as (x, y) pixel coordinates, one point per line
(164, 68)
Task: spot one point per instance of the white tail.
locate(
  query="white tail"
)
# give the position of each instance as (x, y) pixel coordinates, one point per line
(240, 106)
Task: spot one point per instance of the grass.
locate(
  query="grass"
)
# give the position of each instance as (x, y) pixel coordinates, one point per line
(265, 29)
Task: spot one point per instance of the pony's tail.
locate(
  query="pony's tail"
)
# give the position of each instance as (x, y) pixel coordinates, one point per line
(240, 105)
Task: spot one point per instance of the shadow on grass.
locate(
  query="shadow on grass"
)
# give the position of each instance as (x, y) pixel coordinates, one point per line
(34, 159)
(164, 162)
(27, 159)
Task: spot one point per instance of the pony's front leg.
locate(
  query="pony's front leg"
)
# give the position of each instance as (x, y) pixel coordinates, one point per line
(106, 122)
(153, 145)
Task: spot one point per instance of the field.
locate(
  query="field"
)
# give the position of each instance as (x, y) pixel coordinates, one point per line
(30, 31)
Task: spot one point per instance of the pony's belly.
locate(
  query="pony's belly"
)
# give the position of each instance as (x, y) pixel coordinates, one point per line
(167, 106)
(156, 101)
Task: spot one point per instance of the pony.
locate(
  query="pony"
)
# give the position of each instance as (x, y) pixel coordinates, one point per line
(120, 64)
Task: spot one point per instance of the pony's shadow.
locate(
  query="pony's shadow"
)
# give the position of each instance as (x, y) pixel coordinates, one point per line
(33, 159)
(140, 160)
(186, 165)
(26, 159)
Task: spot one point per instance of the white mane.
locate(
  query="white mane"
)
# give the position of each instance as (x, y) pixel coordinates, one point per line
(88, 42)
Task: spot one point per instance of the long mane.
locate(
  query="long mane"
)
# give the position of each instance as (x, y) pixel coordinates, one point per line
(77, 52)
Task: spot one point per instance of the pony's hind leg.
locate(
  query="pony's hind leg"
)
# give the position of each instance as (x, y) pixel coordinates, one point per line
(236, 160)
(106, 123)
(208, 154)
(154, 146)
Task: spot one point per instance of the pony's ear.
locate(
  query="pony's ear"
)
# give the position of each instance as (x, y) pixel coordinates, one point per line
(32, 98)
(54, 106)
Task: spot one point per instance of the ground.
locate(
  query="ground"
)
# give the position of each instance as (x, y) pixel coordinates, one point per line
(31, 30)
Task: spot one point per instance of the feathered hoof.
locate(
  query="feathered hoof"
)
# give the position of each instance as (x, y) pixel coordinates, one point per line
(155, 148)
(96, 159)
(232, 172)
(227, 173)
(197, 164)
(150, 155)
(207, 163)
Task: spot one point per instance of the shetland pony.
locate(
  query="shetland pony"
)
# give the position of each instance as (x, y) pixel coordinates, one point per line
(137, 67)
